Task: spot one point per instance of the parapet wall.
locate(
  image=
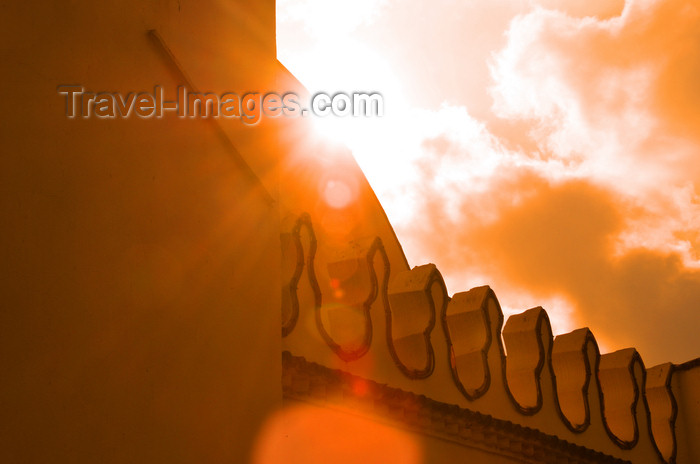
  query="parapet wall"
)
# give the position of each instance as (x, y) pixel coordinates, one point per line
(346, 308)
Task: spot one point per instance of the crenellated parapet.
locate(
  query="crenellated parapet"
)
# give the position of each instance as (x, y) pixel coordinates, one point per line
(622, 379)
(472, 326)
(347, 310)
(528, 340)
(575, 361)
(663, 408)
(415, 298)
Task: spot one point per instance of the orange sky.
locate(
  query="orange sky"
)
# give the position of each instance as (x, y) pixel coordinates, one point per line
(550, 153)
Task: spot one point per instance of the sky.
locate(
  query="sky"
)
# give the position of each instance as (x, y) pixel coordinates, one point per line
(549, 149)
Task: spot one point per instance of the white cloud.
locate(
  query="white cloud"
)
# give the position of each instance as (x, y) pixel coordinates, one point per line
(328, 18)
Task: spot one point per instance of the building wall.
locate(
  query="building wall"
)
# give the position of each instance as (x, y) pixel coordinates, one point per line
(137, 319)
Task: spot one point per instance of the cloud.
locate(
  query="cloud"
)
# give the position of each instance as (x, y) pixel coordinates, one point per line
(576, 190)
(604, 212)
(316, 16)
(601, 9)
(616, 97)
(556, 241)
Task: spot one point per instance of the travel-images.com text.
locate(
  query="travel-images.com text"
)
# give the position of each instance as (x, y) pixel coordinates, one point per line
(249, 107)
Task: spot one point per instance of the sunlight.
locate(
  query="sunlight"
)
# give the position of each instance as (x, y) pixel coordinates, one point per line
(333, 68)
(487, 104)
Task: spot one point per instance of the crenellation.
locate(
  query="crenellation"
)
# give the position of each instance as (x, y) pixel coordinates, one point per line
(293, 264)
(528, 342)
(621, 393)
(626, 411)
(298, 243)
(663, 409)
(575, 359)
(559, 385)
(291, 269)
(413, 305)
(468, 332)
(685, 386)
(478, 347)
(344, 319)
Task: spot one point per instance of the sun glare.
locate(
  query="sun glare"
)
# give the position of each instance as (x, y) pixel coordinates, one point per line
(490, 103)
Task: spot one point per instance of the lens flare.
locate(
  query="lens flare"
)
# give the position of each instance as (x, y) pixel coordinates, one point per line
(312, 435)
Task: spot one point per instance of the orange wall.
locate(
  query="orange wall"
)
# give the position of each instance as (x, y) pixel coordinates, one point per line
(137, 322)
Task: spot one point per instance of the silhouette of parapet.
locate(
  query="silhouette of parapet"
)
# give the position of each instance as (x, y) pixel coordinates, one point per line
(528, 340)
(293, 265)
(472, 326)
(622, 377)
(685, 388)
(663, 409)
(401, 329)
(415, 298)
(344, 320)
(575, 360)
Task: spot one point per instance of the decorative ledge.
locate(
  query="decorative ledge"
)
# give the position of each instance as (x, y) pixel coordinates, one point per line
(314, 383)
